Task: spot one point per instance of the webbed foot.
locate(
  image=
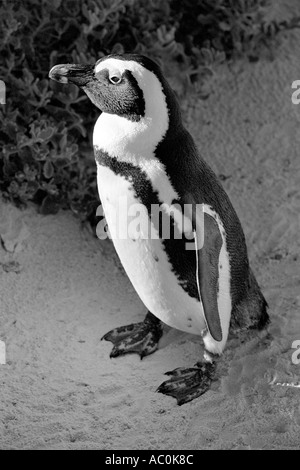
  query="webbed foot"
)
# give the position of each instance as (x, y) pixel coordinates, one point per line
(187, 384)
(141, 338)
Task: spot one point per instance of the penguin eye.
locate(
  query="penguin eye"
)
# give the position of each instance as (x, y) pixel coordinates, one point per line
(115, 79)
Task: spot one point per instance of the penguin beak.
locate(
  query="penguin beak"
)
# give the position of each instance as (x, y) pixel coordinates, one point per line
(78, 74)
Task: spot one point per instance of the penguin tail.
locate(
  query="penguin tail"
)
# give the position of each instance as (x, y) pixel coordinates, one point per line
(263, 318)
(251, 312)
(259, 316)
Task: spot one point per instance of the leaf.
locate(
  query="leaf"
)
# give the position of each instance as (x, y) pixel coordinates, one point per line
(224, 26)
(45, 134)
(48, 169)
(207, 56)
(63, 142)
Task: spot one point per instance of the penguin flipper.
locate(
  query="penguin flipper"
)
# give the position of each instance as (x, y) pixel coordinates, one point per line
(187, 384)
(208, 255)
(141, 338)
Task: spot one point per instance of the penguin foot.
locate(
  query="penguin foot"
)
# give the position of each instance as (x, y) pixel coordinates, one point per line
(141, 338)
(187, 384)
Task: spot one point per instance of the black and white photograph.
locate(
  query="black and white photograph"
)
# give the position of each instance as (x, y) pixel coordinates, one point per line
(149, 227)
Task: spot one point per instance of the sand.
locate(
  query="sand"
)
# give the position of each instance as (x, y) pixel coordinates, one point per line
(61, 289)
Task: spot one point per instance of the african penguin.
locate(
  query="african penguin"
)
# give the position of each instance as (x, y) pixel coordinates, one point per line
(196, 279)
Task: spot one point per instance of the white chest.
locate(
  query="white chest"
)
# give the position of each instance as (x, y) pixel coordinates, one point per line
(143, 256)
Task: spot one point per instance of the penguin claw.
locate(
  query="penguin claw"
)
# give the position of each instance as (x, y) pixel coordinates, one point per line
(187, 384)
(140, 338)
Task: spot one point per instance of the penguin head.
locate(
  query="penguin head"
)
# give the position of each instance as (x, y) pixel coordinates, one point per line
(128, 85)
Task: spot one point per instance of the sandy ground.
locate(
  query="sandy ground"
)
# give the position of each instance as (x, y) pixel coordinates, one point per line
(61, 290)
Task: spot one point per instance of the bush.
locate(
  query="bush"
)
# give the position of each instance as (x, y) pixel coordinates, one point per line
(46, 147)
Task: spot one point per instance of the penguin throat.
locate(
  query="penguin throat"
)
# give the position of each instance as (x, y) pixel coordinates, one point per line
(121, 137)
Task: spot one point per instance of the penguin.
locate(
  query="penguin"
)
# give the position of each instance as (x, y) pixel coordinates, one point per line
(194, 277)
